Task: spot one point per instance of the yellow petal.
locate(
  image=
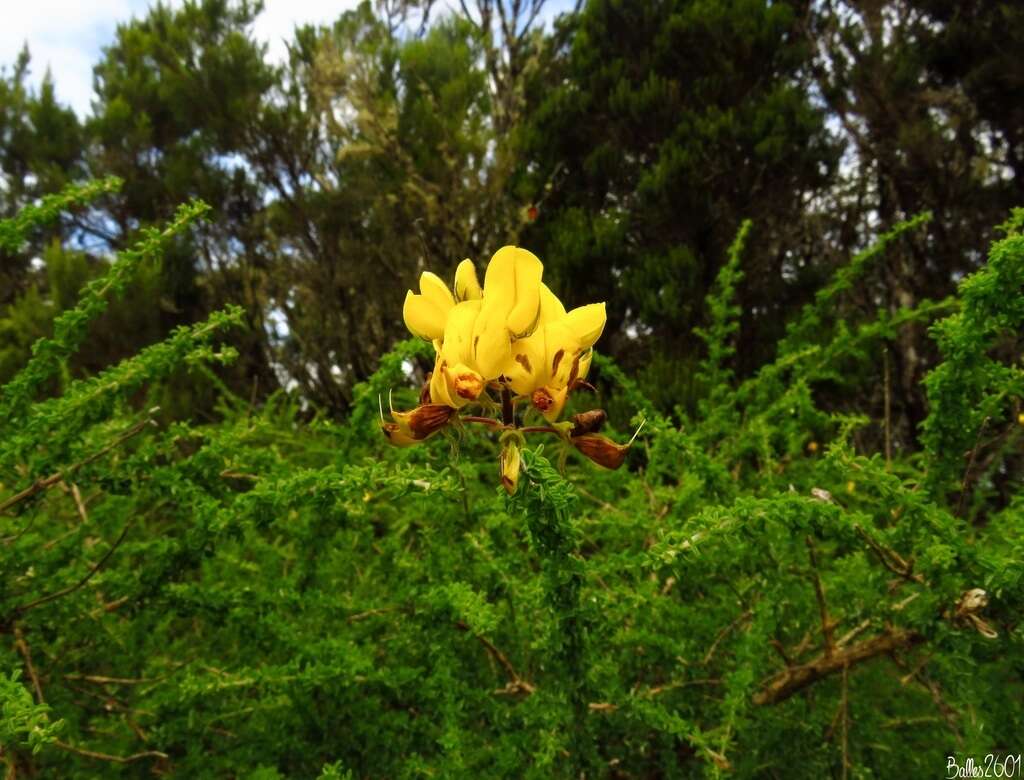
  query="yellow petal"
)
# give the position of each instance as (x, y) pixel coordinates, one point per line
(525, 370)
(561, 348)
(396, 436)
(467, 288)
(584, 367)
(550, 401)
(436, 291)
(492, 348)
(458, 333)
(500, 276)
(523, 317)
(439, 386)
(512, 289)
(551, 308)
(466, 383)
(422, 317)
(587, 322)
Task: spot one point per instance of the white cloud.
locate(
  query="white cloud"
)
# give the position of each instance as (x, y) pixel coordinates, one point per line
(67, 36)
(280, 18)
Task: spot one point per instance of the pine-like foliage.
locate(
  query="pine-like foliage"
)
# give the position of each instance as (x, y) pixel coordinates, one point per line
(272, 594)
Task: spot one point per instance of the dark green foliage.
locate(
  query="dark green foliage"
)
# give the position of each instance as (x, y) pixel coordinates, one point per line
(671, 123)
(977, 391)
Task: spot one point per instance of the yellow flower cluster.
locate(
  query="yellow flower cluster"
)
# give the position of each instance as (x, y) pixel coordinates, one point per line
(512, 332)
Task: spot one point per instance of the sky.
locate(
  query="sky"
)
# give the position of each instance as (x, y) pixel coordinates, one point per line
(67, 36)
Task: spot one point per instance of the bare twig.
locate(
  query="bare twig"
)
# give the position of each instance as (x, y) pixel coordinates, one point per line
(819, 593)
(887, 388)
(19, 642)
(371, 613)
(43, 484)
(948, 713)
(743, 618)
(516, 684)
(845, 704)
(970, 465)
(890, 559)
(107, 756)
(76, 494)
(853, 633)
(103, 680)
(72, 588)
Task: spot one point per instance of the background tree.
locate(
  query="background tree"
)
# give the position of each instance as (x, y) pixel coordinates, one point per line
(41, 149)
(669, 124)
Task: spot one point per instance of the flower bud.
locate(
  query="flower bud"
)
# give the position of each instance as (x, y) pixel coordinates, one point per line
(417, 425)
(510, 460)
(600, 449)
(588, 422)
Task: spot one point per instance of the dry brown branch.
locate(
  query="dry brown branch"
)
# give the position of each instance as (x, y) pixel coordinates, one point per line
(890, 559)
(19, 642)
(819, 593)
(43, 484)
(516, 684)
(888, 409)
(102, 680)
(792, 679)
(371, 613)
(107, 756)
(948, 713)
(970, 465)
(845, 705)
(853, 633)
(76, 494)
(779, 648)
(744, 617)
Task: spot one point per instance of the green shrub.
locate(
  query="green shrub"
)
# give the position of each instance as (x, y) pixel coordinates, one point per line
(273, 594)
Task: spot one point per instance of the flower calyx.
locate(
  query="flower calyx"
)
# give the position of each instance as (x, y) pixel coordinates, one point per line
(416, 425)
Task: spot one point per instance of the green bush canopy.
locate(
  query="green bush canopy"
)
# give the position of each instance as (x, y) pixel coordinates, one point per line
(273, 593)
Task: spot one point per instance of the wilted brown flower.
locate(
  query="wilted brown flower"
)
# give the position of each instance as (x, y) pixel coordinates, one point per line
(600, 449)
(417, 425)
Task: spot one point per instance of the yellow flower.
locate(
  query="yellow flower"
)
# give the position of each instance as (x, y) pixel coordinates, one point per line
(510, 308)
(456, 379)
(544, 366)
(425, 313)
(513, 329)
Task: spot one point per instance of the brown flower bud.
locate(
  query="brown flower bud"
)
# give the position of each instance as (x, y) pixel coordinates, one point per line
(417, 425)
(588, 422)
(600, 449)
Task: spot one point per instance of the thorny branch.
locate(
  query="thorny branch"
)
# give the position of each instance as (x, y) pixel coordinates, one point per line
(43, 484)
(819, 592)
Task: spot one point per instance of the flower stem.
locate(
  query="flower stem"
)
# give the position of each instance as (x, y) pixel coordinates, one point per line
(508, 415)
